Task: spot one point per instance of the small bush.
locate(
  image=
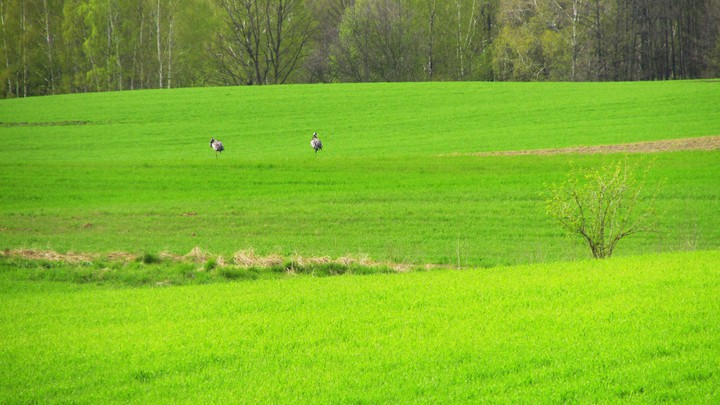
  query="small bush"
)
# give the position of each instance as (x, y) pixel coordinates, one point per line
(602, 206)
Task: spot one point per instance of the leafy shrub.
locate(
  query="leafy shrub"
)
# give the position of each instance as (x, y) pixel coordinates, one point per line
(602, 206)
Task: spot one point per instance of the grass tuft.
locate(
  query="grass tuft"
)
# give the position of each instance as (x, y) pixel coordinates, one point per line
(149, 258)
(210, 265)
(236, 273)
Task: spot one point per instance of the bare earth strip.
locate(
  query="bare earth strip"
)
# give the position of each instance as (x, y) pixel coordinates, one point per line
(669, 145)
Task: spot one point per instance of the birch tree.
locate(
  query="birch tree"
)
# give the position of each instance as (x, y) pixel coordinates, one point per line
(47, 21)
(7, 73)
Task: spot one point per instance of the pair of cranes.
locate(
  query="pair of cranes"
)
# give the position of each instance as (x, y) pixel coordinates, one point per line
(218, 147)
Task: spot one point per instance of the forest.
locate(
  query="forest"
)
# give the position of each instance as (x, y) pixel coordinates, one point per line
(71, 46)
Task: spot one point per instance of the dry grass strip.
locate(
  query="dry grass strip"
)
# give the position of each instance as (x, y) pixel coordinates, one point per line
(244, 258)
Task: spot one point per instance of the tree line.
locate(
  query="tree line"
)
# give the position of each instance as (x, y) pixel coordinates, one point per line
(68, 46)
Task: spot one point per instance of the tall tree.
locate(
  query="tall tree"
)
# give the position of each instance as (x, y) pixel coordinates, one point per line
(289, 28)
(48, 21)
(546, 40)
(157, 12)
(239, 52)
(329, 14)
(264, 41)
(137, 38)
(377, 42)
(74, 33)
(466, 22)
(7, 39)
(26, 39)
(194, 26)
(518, 48)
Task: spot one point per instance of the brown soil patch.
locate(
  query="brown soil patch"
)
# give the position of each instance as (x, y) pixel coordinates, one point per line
(669, 145)
(42, 124)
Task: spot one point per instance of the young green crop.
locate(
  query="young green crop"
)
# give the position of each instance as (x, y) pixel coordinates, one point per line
(133, 171)
(269, 123)
(444, 210)
(641, 329)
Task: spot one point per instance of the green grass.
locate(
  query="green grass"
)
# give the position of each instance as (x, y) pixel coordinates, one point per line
(153, 271)
(638, 330)
(139, 175)
(133, 172)
(481, 211)
(270, 123)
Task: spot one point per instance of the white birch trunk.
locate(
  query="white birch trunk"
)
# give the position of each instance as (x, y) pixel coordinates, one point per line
(159, 46)
(7, 57)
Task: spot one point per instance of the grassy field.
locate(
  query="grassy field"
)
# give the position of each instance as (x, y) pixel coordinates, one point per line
(365, 120)
(485, 211)
(637, 330)
(133, 171)
(527, 319)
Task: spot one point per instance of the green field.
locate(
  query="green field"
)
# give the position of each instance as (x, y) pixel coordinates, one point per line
(528, 317)
(638, 330)
(134, 172)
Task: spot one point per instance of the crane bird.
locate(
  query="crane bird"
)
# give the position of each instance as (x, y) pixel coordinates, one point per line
(217, 146)
(316, 143)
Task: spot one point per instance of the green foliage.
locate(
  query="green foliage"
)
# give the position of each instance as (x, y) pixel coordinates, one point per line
(61, 46)
(602, 206)
(118, 273)
(377, 43)
(558, 332)
(235, 273)
(210, 265)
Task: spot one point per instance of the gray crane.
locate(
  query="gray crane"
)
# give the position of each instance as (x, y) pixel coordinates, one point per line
(316, 143)
(217, 146)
